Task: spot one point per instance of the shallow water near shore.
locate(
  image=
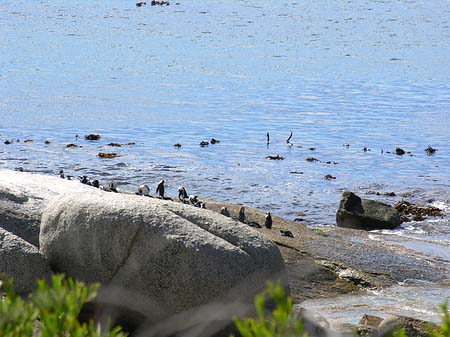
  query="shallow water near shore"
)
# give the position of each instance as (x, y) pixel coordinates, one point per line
(364, 73)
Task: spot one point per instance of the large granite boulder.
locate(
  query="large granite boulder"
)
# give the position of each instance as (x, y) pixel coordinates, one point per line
(21, 261)
(23, 197)
(157, 257)
(357, 213)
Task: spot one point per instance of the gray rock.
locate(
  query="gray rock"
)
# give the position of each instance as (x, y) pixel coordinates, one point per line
(158, 256)
(21, 261)
(357, 213)
(413, 327)
(23, 197)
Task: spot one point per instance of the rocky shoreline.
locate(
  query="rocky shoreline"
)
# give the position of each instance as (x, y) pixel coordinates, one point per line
(320, 263)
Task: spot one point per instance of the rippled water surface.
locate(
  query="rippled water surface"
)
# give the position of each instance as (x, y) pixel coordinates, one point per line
(365, 73)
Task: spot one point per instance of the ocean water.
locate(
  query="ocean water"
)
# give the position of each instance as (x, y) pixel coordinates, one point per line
(362, 73)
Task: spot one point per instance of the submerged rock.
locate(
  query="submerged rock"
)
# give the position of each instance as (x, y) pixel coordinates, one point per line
(92, 136)
(399, 151)
(21, 261)
(357, 213)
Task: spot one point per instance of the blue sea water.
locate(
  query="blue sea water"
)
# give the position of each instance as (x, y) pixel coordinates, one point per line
(367, 73)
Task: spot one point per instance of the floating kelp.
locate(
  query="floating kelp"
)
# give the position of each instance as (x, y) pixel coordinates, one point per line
(72, 146)
(92, 136)
(108, 155)
(417, 212)
(160, 3)
(277, 157)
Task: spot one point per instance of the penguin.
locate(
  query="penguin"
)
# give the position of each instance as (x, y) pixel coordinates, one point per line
(113, 187)
(268, 221)
(242, 215)
(160, 189)
(96, 183)
(144, 190)
(182, 194)
(224, 211)
(85, 180)
(61, 174)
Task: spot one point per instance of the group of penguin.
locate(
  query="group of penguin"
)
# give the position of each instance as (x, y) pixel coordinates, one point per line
(144, 190)
(182, 194)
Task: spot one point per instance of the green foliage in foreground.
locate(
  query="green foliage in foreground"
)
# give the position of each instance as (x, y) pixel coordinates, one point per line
(444, 328)
(280, 322)
(51, 310)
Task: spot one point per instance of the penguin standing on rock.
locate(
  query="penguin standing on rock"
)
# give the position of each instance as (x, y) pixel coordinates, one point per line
(160, 189)
(268, 221)
(143, 190)
(224, 211)
(242, 215)
(182, 194)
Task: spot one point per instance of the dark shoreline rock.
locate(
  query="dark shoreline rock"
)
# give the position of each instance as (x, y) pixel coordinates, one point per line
(357, 213)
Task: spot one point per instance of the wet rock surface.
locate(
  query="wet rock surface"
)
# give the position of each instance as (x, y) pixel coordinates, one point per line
(357, 213)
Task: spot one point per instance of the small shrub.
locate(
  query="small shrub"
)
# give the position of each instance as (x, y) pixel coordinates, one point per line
(444, 328)
(51, 310)
(278, 323)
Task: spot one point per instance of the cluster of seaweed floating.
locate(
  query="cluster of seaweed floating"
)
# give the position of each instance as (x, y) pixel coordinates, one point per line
(414, 212)
(110, 155)
(153, 3)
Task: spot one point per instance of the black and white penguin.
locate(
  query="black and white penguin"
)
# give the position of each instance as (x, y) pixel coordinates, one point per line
(242, 215)
(268, 221)
(160, 189)
(224, 211)
(144, 190)
(182, 194)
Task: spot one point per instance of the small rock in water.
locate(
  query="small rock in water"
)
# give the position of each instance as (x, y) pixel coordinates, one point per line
(115, 144)
(329, 177)
(92, 136)
(277, 157)
(430, 151)
(399, 151)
